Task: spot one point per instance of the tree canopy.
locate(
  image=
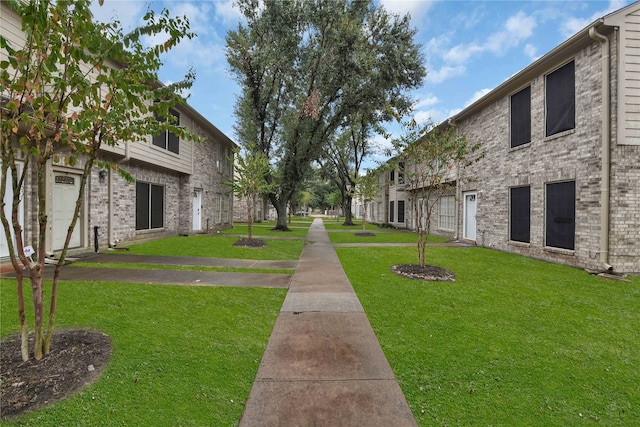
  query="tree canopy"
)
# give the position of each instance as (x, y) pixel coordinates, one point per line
(306, 68)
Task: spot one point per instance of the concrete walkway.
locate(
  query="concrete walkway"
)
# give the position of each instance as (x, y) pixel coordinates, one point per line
(323, 365)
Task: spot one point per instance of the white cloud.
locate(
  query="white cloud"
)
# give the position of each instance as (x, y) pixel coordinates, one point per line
(572, 24)
(517, 28)
(476, 96)
(461, 53)
(197, 13)
(426, 101)
(129, 13)
(531, 51)
(228, 12)
(444, 73)
(416, 8)
(428, 117)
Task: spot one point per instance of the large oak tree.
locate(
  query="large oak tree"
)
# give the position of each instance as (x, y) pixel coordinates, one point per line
(306, 68)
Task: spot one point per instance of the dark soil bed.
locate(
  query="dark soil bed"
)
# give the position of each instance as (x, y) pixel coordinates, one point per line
(365, 234)
(77, 358)
(430, 273)
(250, 243)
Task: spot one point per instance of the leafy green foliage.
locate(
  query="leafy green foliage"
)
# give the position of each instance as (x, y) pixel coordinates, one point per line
(249, 182)
(305, 67)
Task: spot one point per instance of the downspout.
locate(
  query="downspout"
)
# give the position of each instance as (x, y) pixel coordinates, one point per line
(127, 157)
(458, 196)
(606, 149)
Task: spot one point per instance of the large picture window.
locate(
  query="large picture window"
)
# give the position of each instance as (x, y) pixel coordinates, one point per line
(149, 206)
(446, 212)
(520, 214)
(521, 117)
(561, 99)
(168, 140)
(561, 215)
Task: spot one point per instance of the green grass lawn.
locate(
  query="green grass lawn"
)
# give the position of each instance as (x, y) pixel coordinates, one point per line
(382, 236)
(181, 355)
(513, 341)
(298, 229)
(331, 224)
(218, 246)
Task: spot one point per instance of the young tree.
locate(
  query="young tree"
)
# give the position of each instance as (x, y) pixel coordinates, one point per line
(305, 67)
(75, 86)
(366, 189)
(435, 159)
(249, 182)
(335, 199)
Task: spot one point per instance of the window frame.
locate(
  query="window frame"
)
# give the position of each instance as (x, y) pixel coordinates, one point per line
(400, 214)
(391, 211)
(447, 213)
(167, 140)
(150, 221)
(520, 118)
(557, 122)
(552, 222)
(516, 215)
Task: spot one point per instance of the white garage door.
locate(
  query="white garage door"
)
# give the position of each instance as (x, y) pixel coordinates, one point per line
(65, 193)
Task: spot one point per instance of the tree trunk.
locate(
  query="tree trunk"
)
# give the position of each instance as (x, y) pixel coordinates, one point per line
(250, 207)
(364, 218)
(348, 215)
(281, 209)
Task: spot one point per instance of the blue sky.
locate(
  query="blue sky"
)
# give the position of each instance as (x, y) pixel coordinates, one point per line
(470, 47)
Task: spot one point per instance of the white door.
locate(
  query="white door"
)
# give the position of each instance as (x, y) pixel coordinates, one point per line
(469, 219)
(65, 193)
(8, 199)
(197, 210)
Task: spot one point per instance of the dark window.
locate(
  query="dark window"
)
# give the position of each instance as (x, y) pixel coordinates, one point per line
(168, 140)
(520, 220)
(561, 215)
(391, 213)
(561, 99)
(149, 206)
(392, 176)
(521, 117)
(400, 210)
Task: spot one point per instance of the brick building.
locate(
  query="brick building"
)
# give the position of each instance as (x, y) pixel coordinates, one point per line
(560, 176)
(178, 187)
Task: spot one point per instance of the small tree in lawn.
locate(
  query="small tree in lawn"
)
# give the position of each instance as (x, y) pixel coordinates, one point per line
(435, 159)
(75, 86)
(249, 182)
(335, 199)
(366, 189)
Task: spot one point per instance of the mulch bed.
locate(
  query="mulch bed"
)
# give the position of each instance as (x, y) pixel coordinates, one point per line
(77, 358)
(250, 243)
(430, 273)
